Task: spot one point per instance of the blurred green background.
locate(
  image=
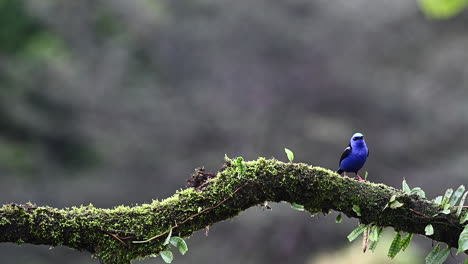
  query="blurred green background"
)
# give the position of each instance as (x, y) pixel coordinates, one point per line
(116, 102)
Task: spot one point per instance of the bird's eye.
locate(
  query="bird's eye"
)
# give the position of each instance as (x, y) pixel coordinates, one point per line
(355, 138)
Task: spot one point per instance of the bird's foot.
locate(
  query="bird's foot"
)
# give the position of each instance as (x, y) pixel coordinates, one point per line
(359, 177)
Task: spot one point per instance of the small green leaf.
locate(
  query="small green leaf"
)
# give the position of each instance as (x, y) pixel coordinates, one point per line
(418, 191)
(463, 240)
(429, 230)
(460, 205)
(167, 256)
(437, 256)
(464, 219)
(446, 198)
(357, 210)
(438, 9)
(444, 202)
(393, 198)
(180, 244)
(199, 209)
(297, 207)
(395, 204)
(374, 235)
(456, 195)
(338, 219)
(448, 193)
(446, 211)
(405, 187)
(432, 255)
(442, 256)
(373, 245)
(406, 241)
(356, 232)
(438, 200)
(241, 167)
(365, 175)
(290, 154)
(166, 242)
(395, 247)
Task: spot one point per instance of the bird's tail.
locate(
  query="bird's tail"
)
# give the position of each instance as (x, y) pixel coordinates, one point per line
(339, 171)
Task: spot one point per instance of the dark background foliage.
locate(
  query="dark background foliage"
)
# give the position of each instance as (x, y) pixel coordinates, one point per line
(116, 102)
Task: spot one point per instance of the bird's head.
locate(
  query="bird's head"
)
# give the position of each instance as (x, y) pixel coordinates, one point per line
(357, 140)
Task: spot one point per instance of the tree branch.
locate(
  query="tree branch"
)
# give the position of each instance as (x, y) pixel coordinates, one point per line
(121, 234)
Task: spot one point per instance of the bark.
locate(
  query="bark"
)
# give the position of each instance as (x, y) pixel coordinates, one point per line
(112, 235)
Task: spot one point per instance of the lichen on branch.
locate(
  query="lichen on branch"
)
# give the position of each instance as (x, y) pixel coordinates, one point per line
(124, 233)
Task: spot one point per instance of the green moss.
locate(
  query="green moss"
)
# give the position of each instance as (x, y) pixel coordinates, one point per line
(227, 194)
(19, 242)
(4, 221)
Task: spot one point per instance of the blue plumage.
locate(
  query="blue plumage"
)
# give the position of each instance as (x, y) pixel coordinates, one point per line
(354, 156)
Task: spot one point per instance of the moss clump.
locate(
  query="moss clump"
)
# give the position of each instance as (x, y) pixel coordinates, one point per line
(109, 233)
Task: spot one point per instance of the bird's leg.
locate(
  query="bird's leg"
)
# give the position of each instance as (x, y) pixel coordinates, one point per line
(361, 179)
(345, 175)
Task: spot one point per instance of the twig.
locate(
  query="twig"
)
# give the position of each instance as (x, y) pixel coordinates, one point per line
(416, 212)
(128, 237)
(191, 217)
(116, 237)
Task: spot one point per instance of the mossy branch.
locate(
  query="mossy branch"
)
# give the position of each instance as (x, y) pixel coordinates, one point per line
(112, 235)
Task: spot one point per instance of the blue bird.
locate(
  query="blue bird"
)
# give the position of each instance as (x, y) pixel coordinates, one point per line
(354, 156)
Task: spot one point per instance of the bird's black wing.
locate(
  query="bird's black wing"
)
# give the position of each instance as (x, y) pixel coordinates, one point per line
(345, 153)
